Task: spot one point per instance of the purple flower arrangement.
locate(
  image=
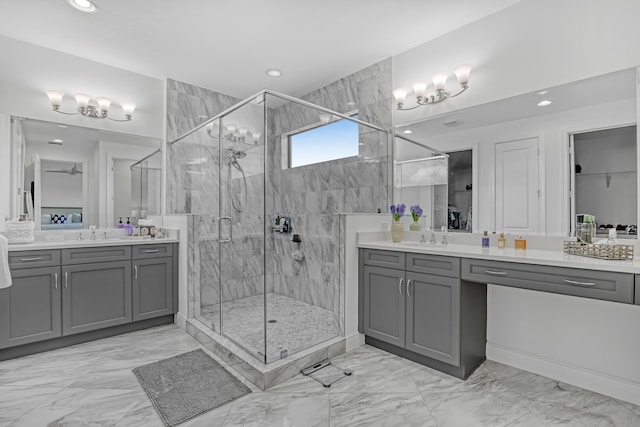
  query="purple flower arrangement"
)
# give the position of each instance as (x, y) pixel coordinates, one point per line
(397, 211)
(416, 212)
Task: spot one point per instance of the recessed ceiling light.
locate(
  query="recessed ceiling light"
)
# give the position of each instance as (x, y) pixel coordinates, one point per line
(63, 126)
(272, 72)
(55, 142)
(83, 5)
(544, 103)
(407, 131)
(543, 92)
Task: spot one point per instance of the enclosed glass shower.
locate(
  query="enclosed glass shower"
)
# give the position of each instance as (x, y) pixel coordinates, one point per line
(266, 239)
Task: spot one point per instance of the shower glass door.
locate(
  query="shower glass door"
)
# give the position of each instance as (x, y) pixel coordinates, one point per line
(241, 228)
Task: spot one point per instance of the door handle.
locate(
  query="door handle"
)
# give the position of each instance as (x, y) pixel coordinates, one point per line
(135, 271)
(400, 285)
(37, 258)
(151, 251)
(55, 278)
(230, 229)
(66, 279)
(408, 290)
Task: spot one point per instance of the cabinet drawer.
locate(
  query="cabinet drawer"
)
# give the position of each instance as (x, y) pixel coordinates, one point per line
(33, 259)
(434, 264)
(152, 251)
(93, 255)
(603, 285)
(378, 258)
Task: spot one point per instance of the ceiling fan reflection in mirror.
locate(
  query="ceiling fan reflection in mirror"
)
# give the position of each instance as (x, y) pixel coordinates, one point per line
(73, 171)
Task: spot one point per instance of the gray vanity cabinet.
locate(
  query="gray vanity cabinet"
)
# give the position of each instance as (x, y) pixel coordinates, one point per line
(417, 306)
(384, 304)
(152, 287)
(433, 317)
(30, 307)
(95, 296)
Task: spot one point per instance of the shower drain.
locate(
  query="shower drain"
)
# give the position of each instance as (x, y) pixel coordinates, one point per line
(272, 321)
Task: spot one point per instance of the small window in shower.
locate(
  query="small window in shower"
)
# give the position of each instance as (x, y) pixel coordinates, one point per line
(330, 140)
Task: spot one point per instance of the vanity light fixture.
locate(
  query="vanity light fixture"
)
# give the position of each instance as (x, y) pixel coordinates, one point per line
(83, 5)
(439, 93)
(87, 108)
(234, 133)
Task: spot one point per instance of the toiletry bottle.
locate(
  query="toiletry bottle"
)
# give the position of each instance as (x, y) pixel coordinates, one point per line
(129, 228)
(502, 242)
(485, 240)
(120, 224)
(520, 243)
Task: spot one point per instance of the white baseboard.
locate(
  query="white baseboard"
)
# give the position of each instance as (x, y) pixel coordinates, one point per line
(615, 387)
(354, 341)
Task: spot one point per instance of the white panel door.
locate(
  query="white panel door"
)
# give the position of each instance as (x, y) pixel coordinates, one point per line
(517, 187)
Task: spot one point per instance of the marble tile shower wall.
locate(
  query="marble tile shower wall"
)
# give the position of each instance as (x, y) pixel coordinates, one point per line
(313, 195)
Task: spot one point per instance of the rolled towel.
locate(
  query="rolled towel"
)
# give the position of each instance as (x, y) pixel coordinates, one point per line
(5, 274)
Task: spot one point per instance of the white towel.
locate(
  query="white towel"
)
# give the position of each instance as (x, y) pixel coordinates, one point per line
(5, 274)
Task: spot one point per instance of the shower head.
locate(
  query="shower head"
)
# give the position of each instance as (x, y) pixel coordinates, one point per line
(234, 156)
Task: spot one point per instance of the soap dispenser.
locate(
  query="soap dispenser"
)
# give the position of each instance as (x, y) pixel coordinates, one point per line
(120, 224)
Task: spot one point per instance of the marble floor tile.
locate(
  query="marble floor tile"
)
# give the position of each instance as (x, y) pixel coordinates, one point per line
(92, 384)
(380, 409)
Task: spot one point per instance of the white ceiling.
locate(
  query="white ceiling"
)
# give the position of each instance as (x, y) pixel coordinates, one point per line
(74, 137)
(227, 46)
(597, 90)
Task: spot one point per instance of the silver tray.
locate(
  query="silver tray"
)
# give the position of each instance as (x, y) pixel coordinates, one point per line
(612, 252)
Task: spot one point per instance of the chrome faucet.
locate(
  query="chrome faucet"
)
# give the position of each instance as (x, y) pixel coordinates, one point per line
(422, 239)
(444, 236)
(104, 236)
(93, 232)
(80, 236)
(432, 240)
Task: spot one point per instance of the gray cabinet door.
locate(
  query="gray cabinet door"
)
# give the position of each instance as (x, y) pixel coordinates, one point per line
(95, 296)
(384, 310)
(152, 288)
(30, 307)
(433, 317)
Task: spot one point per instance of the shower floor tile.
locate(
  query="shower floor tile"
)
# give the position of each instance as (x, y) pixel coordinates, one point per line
(292, 325)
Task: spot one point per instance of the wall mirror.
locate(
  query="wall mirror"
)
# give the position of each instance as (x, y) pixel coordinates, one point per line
(523, 176)
(70, 177)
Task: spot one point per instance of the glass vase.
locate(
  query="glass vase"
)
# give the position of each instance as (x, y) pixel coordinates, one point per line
(415, 226)
(397, 232)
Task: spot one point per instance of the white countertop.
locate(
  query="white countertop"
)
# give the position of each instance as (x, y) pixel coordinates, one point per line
(528, 256)
(40, 245)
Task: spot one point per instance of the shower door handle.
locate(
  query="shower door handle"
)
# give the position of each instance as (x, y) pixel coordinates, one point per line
(230, 229)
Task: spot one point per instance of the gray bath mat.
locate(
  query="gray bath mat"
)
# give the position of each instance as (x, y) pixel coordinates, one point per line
(187, 385)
